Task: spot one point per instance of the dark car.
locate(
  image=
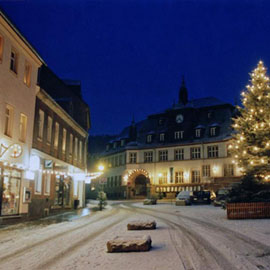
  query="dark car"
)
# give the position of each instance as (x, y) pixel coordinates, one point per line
(202, 196)
(221, 197)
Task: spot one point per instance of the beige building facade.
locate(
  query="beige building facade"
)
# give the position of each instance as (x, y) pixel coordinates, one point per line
(19, 65)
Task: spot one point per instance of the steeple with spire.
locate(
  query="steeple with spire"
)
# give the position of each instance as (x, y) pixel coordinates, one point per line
(183, 93)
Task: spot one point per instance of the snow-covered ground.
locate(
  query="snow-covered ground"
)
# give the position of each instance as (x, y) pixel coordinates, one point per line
(195, 237)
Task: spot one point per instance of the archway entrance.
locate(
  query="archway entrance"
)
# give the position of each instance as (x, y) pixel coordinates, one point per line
(140, 188)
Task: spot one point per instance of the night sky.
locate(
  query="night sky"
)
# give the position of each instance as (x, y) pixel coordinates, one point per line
(131, 54)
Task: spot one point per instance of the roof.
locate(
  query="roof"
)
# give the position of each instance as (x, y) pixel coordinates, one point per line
(16, 30)
(201, 103)
(196, 117)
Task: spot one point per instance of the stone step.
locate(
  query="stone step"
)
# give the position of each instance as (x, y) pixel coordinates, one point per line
(142, 225)
(129, 244)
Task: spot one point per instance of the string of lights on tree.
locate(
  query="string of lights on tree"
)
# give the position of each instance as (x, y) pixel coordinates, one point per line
(251, 144)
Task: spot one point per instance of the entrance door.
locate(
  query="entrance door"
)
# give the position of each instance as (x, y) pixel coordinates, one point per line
(66, 190)
(140, 186)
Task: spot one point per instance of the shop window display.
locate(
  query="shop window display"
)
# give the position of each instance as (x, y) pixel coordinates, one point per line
(11, 180)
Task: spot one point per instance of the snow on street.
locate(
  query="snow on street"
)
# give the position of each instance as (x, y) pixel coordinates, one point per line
(196, 237)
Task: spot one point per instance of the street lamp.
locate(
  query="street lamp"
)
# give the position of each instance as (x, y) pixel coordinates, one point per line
(101, 168)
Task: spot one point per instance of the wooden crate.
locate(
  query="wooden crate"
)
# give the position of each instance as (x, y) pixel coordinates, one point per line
(248, 210)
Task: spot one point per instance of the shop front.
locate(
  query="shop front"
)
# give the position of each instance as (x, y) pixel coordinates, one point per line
(10, 190)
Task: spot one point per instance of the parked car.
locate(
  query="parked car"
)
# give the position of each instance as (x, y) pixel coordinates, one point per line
(185, 196)
(221, 197)
(202, 196)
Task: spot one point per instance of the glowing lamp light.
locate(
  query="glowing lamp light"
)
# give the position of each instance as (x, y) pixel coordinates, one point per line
(34, 163)
(215, 169)
(186, 175)
(100, 167)
(125, 178)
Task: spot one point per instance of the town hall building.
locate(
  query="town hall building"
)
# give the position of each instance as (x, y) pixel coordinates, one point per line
(182, 148)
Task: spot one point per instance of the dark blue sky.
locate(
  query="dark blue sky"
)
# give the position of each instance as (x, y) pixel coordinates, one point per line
(131, 54)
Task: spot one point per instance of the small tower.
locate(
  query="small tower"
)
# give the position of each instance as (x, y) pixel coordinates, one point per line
(183, 93)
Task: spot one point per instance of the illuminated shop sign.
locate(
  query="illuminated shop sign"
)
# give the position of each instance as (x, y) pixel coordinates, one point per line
(14, 150)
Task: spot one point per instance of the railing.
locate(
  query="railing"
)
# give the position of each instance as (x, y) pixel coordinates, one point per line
(248, 210)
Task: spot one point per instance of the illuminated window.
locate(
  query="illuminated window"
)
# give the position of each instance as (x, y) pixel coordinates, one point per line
(38, 181)
(47, 184)
(80, 152)
(195, 177)
(64, 140)
(23, 125)
(76, 149)
(9, 114)
(206, 171)
(179, 177)
(49, 130)
(13, 61)
(1, 48)
(228, 170)
(56, 135)
(70, 144)
(27, 73)
(40, 123)
(162, 178)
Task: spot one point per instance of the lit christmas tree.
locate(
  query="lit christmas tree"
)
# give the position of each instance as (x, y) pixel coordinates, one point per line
(251, 145)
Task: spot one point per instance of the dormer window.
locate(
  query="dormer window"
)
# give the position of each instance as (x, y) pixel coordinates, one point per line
(213, 131)
(122, 142)
(161, 137)
(149, 138)
(178, 135)
(114, 145)
(198, 133)
(107, 147)
(209, 115)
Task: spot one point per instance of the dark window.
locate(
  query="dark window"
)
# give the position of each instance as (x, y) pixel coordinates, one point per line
(212, 151)
(163, 155)
(148, 157)
(179, 154)
(195, 152)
